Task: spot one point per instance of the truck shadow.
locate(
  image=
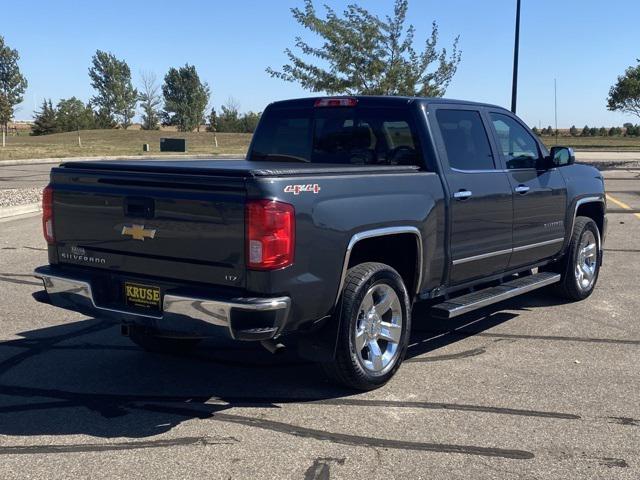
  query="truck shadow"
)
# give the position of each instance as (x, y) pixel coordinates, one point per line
(84, 378)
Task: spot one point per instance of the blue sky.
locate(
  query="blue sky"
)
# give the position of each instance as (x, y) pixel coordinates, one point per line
(584, 44)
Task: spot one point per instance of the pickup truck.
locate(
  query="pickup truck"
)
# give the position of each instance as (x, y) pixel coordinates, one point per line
(344, 213)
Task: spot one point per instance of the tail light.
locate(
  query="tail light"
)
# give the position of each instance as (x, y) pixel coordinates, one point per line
(336, 102)
(47, 214)
(271, 227)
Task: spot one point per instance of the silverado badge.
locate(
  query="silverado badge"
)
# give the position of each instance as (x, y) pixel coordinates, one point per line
(138, 232)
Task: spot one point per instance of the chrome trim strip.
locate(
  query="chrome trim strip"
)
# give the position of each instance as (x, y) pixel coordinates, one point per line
(506, 251)
(381, 232)
(502, 296)
(539, 244)
(482, 256)
(582, 201)
(210, 311)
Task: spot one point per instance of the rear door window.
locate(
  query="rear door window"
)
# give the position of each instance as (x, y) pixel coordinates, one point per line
(465, 139)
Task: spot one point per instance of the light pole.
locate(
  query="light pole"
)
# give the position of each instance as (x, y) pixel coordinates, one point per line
(514, 85)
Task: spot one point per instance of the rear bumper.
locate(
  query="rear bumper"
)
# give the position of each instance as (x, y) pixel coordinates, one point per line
(242, 318)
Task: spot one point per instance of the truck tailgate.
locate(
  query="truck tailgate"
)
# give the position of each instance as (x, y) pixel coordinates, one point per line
(180, 226)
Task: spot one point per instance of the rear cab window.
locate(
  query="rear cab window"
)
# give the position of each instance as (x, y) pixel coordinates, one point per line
(360, 135)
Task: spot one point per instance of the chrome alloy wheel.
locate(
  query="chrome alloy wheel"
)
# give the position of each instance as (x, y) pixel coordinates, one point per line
(378, 329)
(587, 261)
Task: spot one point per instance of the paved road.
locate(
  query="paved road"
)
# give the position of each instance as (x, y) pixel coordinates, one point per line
(532, 388)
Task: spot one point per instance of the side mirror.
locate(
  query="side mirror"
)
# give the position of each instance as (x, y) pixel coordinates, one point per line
(561, 156)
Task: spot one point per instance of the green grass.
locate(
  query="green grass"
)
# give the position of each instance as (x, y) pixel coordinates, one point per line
(625, 144)
(97, 143)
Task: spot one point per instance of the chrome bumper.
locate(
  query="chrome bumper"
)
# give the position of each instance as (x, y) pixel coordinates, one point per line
(243, 318)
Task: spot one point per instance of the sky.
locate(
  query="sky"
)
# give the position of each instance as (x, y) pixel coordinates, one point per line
(583, 44)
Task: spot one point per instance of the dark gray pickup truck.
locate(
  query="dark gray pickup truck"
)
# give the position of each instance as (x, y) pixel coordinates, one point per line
(344, 213)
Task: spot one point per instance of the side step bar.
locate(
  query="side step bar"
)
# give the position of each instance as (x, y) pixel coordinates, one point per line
(475, 300)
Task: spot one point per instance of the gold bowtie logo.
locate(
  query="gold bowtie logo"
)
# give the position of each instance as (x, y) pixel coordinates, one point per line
(138, 232)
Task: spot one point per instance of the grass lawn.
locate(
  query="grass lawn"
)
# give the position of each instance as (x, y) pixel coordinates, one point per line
(97, 143)
(117, 142)
(623, 144)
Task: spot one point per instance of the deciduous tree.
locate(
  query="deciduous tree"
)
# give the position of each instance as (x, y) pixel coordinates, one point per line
(185, 98)
(624, 96)
(116, 98)
(362, 53)
(12, 84)
(150, 101)
(72, 114)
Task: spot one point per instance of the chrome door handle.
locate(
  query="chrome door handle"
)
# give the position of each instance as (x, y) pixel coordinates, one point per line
(522, 189)
(462, 194)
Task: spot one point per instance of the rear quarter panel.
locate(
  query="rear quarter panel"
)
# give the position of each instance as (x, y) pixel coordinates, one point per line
(327, 219)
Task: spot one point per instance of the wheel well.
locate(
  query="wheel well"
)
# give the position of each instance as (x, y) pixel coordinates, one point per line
(593, 210)
(399, 251)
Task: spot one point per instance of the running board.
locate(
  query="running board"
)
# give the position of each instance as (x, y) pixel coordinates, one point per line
(475, 300)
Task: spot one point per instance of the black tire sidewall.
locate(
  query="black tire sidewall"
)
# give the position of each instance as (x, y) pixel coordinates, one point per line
(570, 278)
(350, 312)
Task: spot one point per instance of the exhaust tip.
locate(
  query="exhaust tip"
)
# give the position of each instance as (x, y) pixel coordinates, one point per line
(273, 347)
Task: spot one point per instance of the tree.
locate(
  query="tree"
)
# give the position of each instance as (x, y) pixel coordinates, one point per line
(602, 132)
(624, 96)
(45, 121)
(536, 131)
(185, 98)
(150, 101)
(12, 84)
(116, 98)
(573, 131)
(550, 130)
(212, 121)
(364, 54)
(229, 119)
(585, 131)
(72, 114)
(593, 131)
(249, 122)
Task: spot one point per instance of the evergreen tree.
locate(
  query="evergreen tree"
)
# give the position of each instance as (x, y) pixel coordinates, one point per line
(536, 131)
(72, 114)
(212, 121)
(602, 132)
(585, 131)
(116, 98)
(45, 121)
(593, 131)
(185, 98)
(362, 53)
(573, 131)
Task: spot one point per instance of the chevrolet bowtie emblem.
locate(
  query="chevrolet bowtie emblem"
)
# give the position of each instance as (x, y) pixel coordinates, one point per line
(138, 232)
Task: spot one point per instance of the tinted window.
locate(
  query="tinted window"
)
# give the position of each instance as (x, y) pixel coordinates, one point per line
(465, 139)
(360, 135)
(519, 148)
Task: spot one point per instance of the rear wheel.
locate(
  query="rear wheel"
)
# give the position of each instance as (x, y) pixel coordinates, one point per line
(581, 265)
(374, 327)
(152, 341)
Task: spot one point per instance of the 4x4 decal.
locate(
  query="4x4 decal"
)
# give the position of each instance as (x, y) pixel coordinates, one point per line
(297, 189)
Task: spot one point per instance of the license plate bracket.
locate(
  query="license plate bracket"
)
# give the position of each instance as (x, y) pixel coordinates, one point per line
(139, 295)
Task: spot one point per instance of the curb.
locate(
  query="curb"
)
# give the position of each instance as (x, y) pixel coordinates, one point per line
(39, 161)
(6, 212)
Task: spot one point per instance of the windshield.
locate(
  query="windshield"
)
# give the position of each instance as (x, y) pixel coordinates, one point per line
(360, 135)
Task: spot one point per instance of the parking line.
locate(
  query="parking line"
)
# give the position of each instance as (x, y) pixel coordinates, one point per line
(621, 204)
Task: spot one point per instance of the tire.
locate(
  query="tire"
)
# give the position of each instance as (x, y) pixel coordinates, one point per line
(581, 265)
(358, 364)
(152, 342)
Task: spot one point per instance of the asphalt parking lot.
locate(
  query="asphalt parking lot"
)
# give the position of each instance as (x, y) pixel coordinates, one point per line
(530, 388)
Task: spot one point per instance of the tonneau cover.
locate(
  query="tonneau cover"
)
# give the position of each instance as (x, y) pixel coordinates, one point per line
(234, 167)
